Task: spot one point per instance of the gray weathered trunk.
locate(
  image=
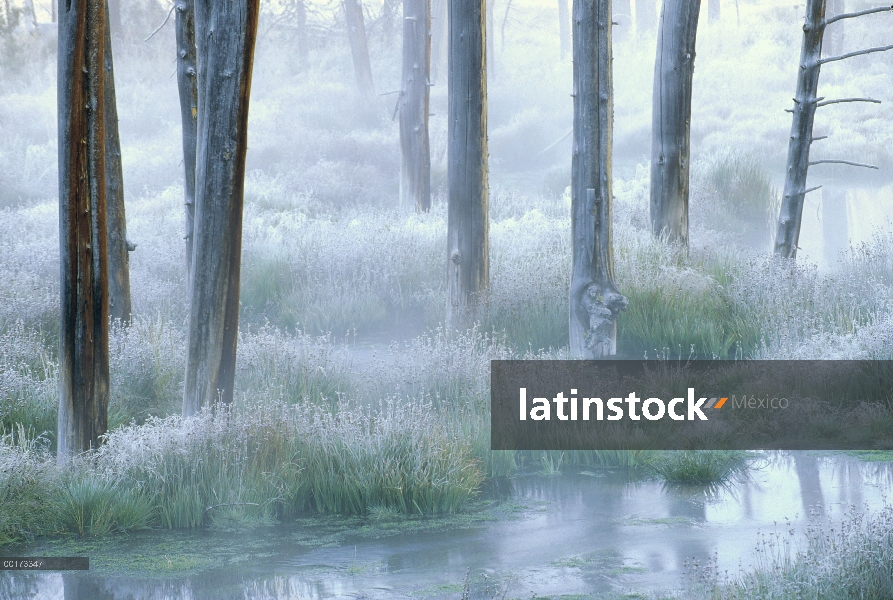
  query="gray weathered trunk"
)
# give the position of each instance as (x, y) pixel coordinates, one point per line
(714, 11)
(84, 334)
(359, 48)
(564, 28)
(671, 119)
(187, 71)
(788, 232)
(225, 33)
(118, 247)
(646, 16)
(415, 175)
(468, 263)
(594, 299)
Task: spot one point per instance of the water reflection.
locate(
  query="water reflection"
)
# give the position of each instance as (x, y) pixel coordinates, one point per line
(591, 532)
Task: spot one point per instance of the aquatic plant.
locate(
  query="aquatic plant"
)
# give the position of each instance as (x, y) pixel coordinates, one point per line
(700, 466)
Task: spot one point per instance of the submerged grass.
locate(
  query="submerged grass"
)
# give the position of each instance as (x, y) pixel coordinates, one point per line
(700, 466)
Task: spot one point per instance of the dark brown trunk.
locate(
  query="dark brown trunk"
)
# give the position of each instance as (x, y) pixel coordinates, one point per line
(415, 179)
(84, 342)
(788, 232)
(187, 87)
(468, 263)
(359, 48)
(118, 246)
(671, 119)
(594, 300)
(226, 31)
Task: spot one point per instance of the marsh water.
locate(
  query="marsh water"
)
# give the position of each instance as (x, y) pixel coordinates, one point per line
(582, 532)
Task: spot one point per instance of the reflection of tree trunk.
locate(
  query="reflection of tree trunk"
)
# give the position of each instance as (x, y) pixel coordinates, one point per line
(834, 223)
(807, 468)
(564, 29)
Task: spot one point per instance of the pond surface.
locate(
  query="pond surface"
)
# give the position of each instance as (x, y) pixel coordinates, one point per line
(584, 533)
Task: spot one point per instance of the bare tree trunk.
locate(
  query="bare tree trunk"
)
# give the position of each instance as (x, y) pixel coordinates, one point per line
(594, 300)
(671, 119)
(646, 16)
(564, 28)
(118, 246)
(389, 14)
(788, 233)
(439, 29)
(415, 174)
(84, 341)
(224, 76)
(359, 48)
(468, 263)
(187, 87)
(714, 11)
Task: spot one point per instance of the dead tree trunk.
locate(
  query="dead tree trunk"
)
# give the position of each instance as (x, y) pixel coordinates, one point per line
(187, 87)
(226, 31)
(564, 28)
(468, 263)
(646, 16)
(714, 11)
(671, 119)
(359, 48)
(84, 335)
(118, 246)
(415, 172)
(594, 299)
(805, 104)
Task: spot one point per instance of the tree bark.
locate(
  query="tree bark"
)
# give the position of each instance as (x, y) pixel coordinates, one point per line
(594, 300)
(118, 246)
(646, 16)
(714, 12)
(789, 218)
(84, 341)
(415, 172)
(359, 48)
(226, 31)
(187, 86)
(468, 263)
(671, 119)
(564, 28)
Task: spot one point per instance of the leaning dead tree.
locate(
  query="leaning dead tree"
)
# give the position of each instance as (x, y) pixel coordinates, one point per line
(805, 104)
(415, 166)
(594, 300)
(671, 119)
(224, 77)
(187, 85)
(359, 48)
(468, 252)
(84, 334)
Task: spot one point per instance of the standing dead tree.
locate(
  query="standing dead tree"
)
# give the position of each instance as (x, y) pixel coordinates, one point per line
(805, 104)
(671, 119)
(415, 171)
(226, 31)
(359, 48)
(468, 251)
(187, 85)
(594, 300)
(84, 334)
(118, 247)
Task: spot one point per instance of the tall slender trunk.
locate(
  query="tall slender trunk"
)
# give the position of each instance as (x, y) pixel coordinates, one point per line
(788, 232)
(84, 334)
(359, 48)
(188, 90)
(226, 31)
(594, 300)
(468, 253)
(118, 246)
(671, 119)
(415, 173)
(564, 28)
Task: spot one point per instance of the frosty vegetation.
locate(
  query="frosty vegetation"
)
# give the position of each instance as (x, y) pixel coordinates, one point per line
(329, 419)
